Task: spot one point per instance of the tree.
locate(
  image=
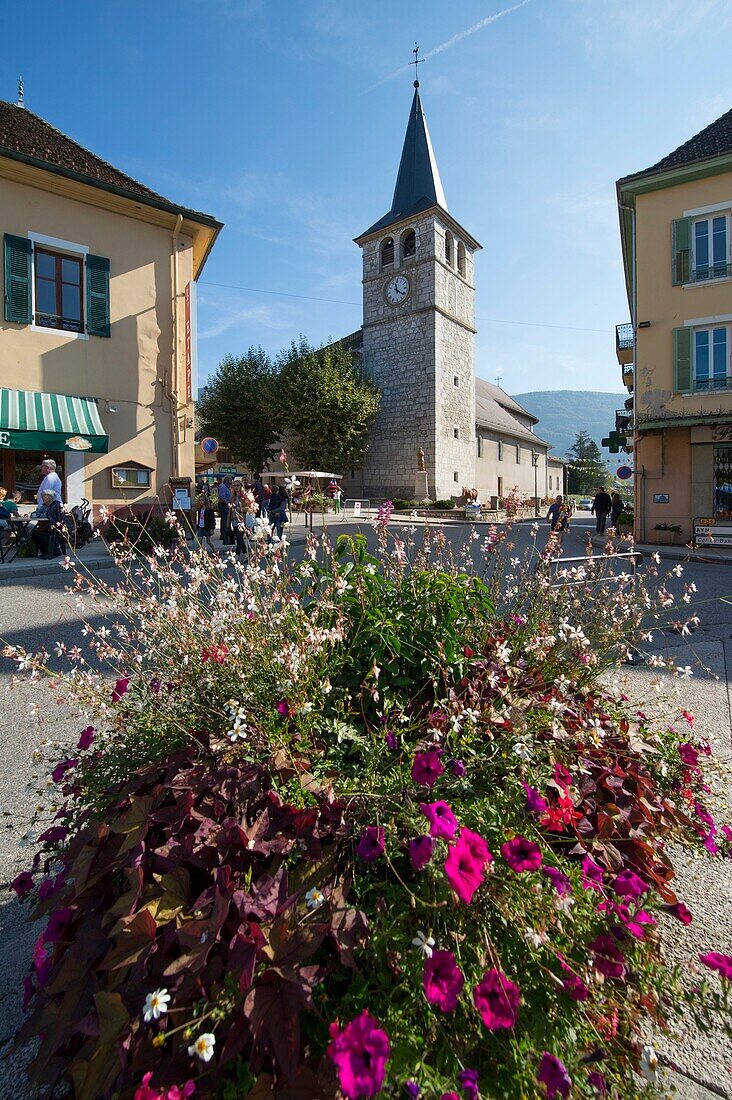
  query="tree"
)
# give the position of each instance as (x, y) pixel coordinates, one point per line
(328, 406)
(240, 409)
(586, 466)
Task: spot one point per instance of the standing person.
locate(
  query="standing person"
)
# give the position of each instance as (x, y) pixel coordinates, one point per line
(278, 509)
(601, 506)
(224, 495)
(616, 507)
(337, 494)
(554, 514)
(258, 490)
(206, 518)
(266, 497)
(50, 481)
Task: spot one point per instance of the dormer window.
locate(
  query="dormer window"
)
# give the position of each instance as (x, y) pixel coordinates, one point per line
(387, 252)
(448, 248)
(409, 244)
(461, 258)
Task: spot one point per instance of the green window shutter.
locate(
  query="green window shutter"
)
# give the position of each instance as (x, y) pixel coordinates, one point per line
(682, 360)
(18, 269)
(97, 296)
(681, 242)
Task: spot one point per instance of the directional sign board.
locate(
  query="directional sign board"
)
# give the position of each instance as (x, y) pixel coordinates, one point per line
(711, 532)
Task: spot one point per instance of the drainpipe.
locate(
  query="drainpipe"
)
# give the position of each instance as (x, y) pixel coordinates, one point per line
(172, 391)
(634, 321)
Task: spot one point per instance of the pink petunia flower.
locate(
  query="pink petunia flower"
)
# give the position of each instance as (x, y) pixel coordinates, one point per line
(372, 843)
(636, 924)
(360, 1053)
(497, 999)
(443, 981)
(442, 820)
(22, 884)
(608, 958)
(572, 984)
(468, 1081)
(427, 767)
(464, 872)
(283, 708)
(592, 874)
(61, 769)
(120, 688)
(680, 911)
(629, 885)
(476, 846)
(561, 882)
(597, 1081)
(420, 851)
(535, 803)
(721, 963)
(86, 738)
(688, 754)
(521, 854)
(553, 1076)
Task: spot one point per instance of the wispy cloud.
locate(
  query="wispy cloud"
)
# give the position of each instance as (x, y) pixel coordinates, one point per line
(455, 39)
(231, 317)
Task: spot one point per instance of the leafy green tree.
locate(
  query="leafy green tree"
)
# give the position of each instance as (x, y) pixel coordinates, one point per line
(328, 406)
(239, 408)
(586, 467)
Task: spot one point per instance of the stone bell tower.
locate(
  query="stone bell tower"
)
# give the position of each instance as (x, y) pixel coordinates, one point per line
(419, 332)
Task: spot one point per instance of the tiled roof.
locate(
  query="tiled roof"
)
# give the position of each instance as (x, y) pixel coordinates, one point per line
(29, 136)
(503, 398)
(714, 140)
(489, 413)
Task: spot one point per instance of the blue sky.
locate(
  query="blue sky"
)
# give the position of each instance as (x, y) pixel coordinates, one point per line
(285, 119)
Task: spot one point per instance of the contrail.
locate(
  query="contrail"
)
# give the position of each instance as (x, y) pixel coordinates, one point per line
(455, 38)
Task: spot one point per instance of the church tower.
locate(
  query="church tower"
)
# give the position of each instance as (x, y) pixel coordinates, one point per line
(419, 332)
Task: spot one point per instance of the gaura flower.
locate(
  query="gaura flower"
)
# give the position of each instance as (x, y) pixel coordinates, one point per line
(553, 1075)
(464, 872)
(443, 822)
(314, 898)
(497, 999)
(721, 963)
(372, 843)
(420, 851)
(156, 1004)
(86, 738)
(468, 1081)
(360, 1053)
(120, 688)
(203, 1047)
(648, 1065)
(427, 767)
(521, 854)
(629, 885)
(443, 981)
(424, 944)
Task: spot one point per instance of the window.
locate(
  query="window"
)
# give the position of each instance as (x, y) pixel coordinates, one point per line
(711, 359)
(518, 453)
(130, 477)
(59, 293)
(455, 380)
(448, 248)
(461, 258)
(723, 481)
(387, 252)
(456, 477)
(710, 248)
(409, 244)
(500, 487)
(455, 433)
(500, 450)
(477, 440)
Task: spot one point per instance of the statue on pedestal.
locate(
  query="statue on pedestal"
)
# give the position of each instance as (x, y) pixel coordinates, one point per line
(420, 460)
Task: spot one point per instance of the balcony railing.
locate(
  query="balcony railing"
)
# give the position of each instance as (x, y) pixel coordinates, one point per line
(624, 340)
(628, 376)
(716, 271)
(712, 385)
(623, 421)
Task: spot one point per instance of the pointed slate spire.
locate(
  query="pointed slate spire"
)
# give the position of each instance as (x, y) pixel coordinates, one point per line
(418, 184)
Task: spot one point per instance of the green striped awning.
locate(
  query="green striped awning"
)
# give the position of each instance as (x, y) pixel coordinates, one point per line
(50, 422)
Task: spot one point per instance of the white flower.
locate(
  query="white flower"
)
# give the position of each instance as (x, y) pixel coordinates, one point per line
(203, 1047)
(314, 898)
(534, 938)
(649, 1064)
(564, 905)
(156, 1004)
(424, 944)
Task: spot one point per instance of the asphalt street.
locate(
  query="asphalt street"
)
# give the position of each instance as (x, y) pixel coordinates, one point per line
(36, 611)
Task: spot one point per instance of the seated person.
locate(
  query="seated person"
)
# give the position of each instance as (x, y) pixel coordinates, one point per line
(8, 508)
(47, 534)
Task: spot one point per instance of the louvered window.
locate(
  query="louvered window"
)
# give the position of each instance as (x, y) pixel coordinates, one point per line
(387, 252)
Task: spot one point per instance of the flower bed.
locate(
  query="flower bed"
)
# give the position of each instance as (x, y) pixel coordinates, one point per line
(367, 826)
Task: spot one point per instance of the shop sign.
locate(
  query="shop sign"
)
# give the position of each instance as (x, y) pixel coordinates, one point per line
(4, 439)
(227, 469)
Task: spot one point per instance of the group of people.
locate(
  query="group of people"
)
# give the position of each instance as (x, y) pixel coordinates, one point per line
(49, 532)
(241, 507)
(603, 505)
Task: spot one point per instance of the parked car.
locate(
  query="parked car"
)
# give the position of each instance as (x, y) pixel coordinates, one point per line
(584, 505)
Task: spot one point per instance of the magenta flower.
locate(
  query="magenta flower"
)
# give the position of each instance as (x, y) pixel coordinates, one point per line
(476, 846)
(372, 843)
(464, 872)
(468, 1081)
(283, 707)
(443, 981)
(457, 767)
(420, 851)
(391, 741)
(561, 882)
(535, 803)
(22, 884)
(411, 1090)
(521, 854)
(721, 963)
(689, 755)
(592, 874)
(680, 911)
(497, 1000)
(54, 834)
(360, 1053)
(553, 1075)
(636, 924)
(443, 822)
(120, 688)
(572, 984)
(427, 767)
(608, 958)
(629, 885)
(449, 1096)
(86, 738)
(60, 770)
(597, 1081)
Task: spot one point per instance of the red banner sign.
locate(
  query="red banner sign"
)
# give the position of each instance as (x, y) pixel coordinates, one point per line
(189, 369)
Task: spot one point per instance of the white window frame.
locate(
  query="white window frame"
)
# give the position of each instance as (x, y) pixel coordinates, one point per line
(709, 219)
(56, 244)
(711, 388)
(137, 487)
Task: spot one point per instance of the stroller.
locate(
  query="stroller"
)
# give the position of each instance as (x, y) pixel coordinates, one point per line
(78, 521)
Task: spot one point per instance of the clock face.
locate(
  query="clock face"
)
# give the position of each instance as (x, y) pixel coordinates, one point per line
(397, 290)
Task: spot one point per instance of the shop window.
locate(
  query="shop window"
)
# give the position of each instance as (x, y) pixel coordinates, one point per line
(131, 477)
(723, 482)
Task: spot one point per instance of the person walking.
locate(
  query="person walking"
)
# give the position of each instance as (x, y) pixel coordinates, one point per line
(49, 481)
(206, 522)
(616, 507)
(224, 495)
(554, 513)
(278, 509)
(601, 506)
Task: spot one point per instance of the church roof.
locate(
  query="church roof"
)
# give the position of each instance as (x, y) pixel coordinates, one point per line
(493, 411)
(418, 185)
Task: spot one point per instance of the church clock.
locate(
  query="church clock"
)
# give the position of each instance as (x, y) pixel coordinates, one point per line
(397, 290)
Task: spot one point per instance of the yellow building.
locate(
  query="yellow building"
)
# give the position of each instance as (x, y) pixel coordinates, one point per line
(676, 232)
(97, 336)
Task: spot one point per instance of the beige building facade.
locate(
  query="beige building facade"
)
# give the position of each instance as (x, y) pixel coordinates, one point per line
(676, 353)
(97, 335)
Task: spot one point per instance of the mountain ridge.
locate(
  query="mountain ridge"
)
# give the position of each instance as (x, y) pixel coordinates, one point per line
(564, 413)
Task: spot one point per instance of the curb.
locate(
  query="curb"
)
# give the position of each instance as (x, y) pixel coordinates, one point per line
(49, 569)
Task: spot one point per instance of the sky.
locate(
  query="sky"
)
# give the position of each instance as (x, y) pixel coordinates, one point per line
(285, 119)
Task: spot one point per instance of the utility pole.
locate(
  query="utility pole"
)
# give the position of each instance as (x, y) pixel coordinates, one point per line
(535, 464)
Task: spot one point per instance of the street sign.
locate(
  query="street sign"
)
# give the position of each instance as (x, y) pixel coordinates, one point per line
(711, 532)
(357, 507)
(209, 446)
(624, 472)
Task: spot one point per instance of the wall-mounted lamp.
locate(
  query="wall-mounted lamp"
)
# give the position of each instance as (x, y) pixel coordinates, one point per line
(111, 408)
(644, 324)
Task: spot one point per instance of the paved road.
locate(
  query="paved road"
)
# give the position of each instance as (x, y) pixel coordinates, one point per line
(36, 611)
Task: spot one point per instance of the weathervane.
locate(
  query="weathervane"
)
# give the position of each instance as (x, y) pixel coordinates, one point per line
(417, 61)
